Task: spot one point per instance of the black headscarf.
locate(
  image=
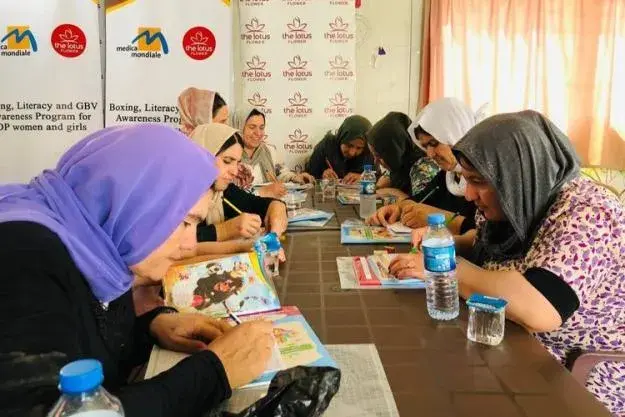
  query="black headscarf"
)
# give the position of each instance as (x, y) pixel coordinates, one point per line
(528, 160)
(391, 141)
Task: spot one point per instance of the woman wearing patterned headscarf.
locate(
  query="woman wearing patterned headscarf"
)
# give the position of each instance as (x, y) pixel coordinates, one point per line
(346, 151)
(123, 202)
(548, 241)
(436, 129)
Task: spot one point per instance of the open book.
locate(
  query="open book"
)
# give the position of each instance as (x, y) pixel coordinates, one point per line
(296, 345)
(373, 270)
(237, 283)
(306, 214)
(371, 234)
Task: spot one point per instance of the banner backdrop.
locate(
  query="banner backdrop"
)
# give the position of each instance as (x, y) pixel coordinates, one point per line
(50, 79)
(298, 59)
(157, 48)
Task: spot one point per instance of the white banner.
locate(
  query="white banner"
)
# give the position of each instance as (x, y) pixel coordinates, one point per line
(157, 48)
(298, 59)
(50, 79)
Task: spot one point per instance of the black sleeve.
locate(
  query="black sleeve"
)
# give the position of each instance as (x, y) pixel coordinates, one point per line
(246, 202)
(206, 232)
(317, 162)
(555, 290)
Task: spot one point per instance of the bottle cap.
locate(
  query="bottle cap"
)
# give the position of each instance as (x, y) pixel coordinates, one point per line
(368, 167)
(436, 219)
(81, 376)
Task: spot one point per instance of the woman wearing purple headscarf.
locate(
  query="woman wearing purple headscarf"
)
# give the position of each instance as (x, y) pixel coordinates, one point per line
(123, 202)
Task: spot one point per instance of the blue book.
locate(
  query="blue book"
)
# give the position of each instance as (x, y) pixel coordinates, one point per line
(307, 214)
(362, 234)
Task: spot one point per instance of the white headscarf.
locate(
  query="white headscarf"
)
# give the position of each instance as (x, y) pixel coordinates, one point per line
(447, 120)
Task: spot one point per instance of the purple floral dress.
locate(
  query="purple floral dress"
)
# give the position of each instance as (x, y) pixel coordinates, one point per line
(582, 240)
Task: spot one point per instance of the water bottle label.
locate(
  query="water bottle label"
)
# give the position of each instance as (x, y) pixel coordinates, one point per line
(439, 259)
(367, 187)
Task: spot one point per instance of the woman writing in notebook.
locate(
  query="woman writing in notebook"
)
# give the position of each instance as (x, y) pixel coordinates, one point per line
(438, 127)
(548, 241)
(235, 214)
(123, 202)
(342, 154)
(410, 170)
(260, 158)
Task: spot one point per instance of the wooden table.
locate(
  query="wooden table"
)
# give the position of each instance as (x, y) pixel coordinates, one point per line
(432, 368)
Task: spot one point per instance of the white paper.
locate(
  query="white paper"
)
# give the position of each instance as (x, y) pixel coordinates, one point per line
(399, 228)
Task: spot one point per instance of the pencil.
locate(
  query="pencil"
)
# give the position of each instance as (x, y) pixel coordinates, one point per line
(234, 317)
(451, 219)
(232, 206)
(271, 176)
(331, 167)
(429, 194)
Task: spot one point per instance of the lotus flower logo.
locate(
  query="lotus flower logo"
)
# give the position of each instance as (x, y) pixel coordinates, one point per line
(254, 26)
(338, 25)
(297, 25)
(339, 63)
(68, 36)
(199, 39)
(338, 100)
(257, 100)
(298, 136)
(297, 63)
(256, 63)
(298, 100)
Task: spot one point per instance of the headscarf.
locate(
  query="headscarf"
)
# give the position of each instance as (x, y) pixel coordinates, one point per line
(390, 138)
(447, 120)
(114, 198)
(528, 160)
(353, 127)
(262, 154)
(196, 108)
(212, 137)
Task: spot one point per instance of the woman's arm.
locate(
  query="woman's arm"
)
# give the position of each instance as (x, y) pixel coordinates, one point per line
(383, 182)
(317, 164)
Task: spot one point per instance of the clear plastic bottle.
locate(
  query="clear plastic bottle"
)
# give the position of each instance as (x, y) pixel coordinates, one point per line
(367, 192)
(83, 394)
(439, 257)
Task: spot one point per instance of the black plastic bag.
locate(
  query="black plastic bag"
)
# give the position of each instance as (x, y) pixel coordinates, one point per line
(296, 392)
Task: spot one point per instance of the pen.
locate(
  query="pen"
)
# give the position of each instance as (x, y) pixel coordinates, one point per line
(428, 194)
(451, 219)
(234, 317)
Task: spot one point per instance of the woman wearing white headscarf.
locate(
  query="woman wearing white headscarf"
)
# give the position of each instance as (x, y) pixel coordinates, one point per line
(259, 156)
(436, 129)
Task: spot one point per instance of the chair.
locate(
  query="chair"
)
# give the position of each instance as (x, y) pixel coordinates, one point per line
(580, 362)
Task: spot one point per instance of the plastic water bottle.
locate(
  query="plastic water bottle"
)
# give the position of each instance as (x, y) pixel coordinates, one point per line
(367, 192)
(439, 257)
(83, 395)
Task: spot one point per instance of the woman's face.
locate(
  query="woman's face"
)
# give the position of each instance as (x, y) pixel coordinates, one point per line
(222, 115)
(254, 131)
(482, 193)
(353, 148)
(439, 152)
(183, 238)
(377, 158)
(227, 163)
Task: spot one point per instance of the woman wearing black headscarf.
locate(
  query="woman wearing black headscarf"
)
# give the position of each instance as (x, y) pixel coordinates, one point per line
(548, 241)
(346, 151)
(410, 169)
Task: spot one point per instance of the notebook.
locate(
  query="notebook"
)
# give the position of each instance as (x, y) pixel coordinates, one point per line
(371, 234)
(307, 214)
(373, 270)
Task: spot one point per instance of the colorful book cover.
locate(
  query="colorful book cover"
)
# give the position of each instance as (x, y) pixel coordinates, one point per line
(373, 270)
(212, 287)
(305, 214)
(371, 234)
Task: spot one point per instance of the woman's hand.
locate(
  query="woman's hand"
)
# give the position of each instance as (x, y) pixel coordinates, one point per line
(351, 178)
(245, 351)
(304, 178)
(329, 174)
(186, 332)
(417, 236)
(415, 215)
(245, 225)
(385, 215)
(276, 219)
(274, 190)
(408, 266)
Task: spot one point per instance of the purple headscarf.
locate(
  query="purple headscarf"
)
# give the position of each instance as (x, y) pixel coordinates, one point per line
(113, 198)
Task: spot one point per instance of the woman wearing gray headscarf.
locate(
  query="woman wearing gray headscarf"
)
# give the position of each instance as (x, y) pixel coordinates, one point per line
(548, 241)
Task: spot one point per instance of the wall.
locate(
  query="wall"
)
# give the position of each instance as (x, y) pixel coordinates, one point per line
(393, 83)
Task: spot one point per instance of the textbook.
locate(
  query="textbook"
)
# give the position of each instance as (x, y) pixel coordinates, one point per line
(305, 214)
(358, 233)
(296, 344)
(373, 270)
(236, 283)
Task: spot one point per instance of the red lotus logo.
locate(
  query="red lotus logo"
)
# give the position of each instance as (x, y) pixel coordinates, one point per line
(339, 69)
(256, 63)
(339, 106)
(254, 26)
(199, 43)
(296, 32)
(297, 63)
(339, 31)
(298, 100)
(68, 40)
(254, 32)
(339, 63)
(298, 142)
(297, 25)
(298, 107)
(256, 100)
(297, 69)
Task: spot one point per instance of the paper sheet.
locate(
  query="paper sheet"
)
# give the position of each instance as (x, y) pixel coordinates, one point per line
(364, 388)
(399, 228)
(348, 279)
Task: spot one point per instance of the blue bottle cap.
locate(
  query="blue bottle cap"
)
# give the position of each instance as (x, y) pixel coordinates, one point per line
(436, 219)
(368, 167)
(273, 242)
(486, 303)
(81, 376)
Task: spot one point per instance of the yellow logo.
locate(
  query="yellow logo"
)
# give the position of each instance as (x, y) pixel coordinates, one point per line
(150, 39)
(20, 37)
